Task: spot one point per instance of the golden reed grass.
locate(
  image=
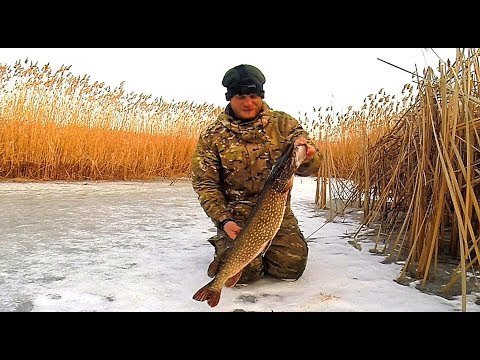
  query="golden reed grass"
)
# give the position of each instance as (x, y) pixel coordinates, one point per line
(414, 167)
(57, 126)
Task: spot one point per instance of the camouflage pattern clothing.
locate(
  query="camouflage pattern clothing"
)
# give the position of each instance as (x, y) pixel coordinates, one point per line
(231, 162)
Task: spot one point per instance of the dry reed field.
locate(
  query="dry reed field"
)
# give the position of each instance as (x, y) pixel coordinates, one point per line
(412, 164)
(57, 126)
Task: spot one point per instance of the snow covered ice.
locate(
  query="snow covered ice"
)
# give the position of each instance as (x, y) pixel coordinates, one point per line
(142, 247)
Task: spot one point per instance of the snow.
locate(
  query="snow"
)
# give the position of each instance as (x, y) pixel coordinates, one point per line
(142, 247)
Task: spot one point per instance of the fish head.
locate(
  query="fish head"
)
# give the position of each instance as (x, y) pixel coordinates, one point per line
(286, 166)
(300, 154)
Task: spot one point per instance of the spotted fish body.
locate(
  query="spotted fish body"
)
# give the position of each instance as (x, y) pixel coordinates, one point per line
(260, 228)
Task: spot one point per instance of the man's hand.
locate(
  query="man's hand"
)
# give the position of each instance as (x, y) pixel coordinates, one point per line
(232, 229)
(310, 149)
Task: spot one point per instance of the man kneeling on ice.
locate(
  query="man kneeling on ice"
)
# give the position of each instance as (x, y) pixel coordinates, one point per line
(232, 161)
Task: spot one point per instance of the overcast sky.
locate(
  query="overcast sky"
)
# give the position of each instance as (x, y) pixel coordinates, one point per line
(297, 79)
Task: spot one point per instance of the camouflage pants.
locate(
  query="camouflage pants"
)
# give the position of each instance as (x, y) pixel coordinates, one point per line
(286, 258)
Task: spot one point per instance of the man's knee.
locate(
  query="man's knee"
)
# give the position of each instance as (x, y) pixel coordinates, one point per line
(252, 271)
(220, 242)
(286, 267)
(287, 256)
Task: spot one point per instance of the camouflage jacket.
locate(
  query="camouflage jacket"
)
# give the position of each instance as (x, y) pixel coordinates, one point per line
(233, 159)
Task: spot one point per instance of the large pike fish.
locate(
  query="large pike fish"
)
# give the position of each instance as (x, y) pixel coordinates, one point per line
(260, 228)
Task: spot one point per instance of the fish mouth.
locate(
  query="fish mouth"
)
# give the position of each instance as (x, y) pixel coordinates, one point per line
(300, 154)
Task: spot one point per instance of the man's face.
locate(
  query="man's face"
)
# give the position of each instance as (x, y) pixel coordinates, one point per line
(246, 107)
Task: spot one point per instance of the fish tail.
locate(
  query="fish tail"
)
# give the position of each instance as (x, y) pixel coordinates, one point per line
(207, 293)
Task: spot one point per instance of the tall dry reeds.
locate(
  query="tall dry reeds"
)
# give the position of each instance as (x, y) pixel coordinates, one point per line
(343, 139)
(54, 125)
(417, 170)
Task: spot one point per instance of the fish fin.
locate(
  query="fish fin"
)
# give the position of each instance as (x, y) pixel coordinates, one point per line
(213, 267)
(207, 293)
(233, 280)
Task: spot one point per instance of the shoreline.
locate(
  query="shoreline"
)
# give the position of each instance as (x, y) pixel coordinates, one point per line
(23, 180)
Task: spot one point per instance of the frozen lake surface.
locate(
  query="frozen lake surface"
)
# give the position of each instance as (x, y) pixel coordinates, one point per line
(141, 246)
